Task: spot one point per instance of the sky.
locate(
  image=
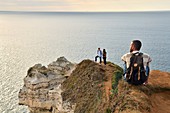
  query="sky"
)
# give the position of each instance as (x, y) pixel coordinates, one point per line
(84, 5)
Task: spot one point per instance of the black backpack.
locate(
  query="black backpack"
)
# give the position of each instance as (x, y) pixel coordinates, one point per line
(136, 73)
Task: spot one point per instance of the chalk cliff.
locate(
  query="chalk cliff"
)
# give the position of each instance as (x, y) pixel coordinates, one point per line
(41, 91)
(87, 87)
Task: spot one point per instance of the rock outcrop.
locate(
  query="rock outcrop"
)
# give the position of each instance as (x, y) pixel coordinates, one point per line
(41, 91)
(88, 87)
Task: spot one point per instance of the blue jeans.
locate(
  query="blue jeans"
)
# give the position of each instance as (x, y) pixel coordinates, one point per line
(124, 71)
(147, 70)
(100, 59)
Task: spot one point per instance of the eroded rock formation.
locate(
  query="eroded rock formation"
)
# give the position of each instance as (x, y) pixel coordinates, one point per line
(41, 91)
(91, 88)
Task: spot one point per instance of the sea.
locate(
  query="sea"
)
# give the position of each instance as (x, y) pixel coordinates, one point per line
(28, 38)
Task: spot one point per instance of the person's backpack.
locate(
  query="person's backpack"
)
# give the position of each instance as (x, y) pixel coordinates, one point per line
(136, 74)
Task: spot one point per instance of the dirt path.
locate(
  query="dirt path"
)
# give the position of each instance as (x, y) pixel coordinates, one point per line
(108, 83)
(161, 102)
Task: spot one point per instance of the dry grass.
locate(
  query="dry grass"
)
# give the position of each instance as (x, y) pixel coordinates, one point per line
(141, 99)
(87, 87)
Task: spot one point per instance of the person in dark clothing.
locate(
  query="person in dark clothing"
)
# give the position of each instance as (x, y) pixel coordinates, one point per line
(104, 56)
(135, 47)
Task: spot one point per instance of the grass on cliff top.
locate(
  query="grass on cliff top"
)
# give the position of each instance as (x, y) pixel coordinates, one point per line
(125, 97)
(117, 75)
(82, 87)
(134, 99)
(128, 98)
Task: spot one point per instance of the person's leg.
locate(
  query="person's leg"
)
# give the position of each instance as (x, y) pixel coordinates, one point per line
(96, 58)
(124, 71)
(125, 68)
(104, 60)
(147, 73)
(147, 70)
(100, 60)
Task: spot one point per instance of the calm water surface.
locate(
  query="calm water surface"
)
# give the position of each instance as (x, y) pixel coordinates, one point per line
(29, 38)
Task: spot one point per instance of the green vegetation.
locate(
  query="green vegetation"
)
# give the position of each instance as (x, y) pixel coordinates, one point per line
(117, 75)
(85, 87)
(108, 110)
(71, 83)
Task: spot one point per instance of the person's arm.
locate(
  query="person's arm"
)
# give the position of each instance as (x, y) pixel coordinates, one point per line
(98, 53)
(124, 65)
(101, 54)
(147, 66)
(149, 59)
(123, 58)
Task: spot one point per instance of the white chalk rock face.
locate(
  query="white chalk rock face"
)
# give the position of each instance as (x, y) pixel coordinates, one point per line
(41, 91)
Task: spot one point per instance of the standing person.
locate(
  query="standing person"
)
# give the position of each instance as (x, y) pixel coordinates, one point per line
(104, 56)
(136, 64)
(99, 54)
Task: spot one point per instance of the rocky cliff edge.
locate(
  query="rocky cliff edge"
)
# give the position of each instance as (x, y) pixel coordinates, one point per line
(87, 87)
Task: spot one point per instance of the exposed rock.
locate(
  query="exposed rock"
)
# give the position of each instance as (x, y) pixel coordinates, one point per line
(91, 88)
(62, 66)
(41, 91)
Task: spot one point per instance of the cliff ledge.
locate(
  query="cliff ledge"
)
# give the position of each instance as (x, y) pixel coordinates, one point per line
(87, 87)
